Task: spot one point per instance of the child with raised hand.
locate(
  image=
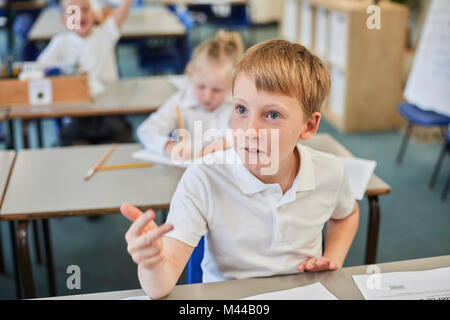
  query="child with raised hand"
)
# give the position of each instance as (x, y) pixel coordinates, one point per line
(263, 209)
(204, 99)
(92, 49)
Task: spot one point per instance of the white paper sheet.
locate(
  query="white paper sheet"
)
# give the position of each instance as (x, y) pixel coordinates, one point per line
(315, 291)
(137, 298)
(144, 154)
(358, 172)
(428, 83)
(411, 285)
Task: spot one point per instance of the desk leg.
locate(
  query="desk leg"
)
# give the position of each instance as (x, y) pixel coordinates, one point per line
(372, 235)
(49, 256)
(36, 241)
(10, 144)
(25, 269)
(12, 232)
(39, 133)
(2, 259)
(25, 135)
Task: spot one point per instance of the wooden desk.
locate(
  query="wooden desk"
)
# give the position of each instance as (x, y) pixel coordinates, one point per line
(48, 183)
(145, 22)
(6, 164)
(127, 96)
(7, 159)
(338, 282)
(53, 185)
(376, 187)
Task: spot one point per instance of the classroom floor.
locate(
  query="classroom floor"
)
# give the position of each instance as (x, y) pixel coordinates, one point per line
(414, 221)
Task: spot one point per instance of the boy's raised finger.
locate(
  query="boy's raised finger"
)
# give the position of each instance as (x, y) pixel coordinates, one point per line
(138, 226)
(157, 233)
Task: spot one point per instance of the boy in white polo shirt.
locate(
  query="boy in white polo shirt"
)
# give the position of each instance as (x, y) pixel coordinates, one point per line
(264, 217)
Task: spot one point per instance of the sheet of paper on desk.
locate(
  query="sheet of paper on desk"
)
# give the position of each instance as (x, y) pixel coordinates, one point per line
(411, 285)
(315, 291)
(358, 172)
(137, 298)
(160, 158)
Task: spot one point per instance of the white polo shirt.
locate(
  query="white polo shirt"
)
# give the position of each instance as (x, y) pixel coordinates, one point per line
(154, 132)
(251, 228)
(94, 53)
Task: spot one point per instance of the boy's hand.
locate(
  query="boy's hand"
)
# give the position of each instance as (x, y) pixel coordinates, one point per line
(146, 248)
(316, 264)
(180, 151)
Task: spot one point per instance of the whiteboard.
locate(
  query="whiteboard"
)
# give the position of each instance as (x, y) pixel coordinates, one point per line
(428, 84)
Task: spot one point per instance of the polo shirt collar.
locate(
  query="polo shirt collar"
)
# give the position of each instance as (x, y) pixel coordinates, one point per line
(249, 184)
(306, 176)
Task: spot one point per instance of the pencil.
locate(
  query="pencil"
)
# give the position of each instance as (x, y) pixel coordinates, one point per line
(92, 170)
(125, 166)
(180, 123)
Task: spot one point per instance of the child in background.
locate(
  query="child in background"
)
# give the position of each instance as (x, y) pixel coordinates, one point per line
(259, 218)
(92, 49)
(205, 98)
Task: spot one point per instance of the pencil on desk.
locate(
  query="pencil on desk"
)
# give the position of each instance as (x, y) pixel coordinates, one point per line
(125, 166)
(180, 123)
(92, 170)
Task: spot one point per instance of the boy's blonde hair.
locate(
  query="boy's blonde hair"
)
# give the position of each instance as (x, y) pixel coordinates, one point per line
(225, 46)
(282, 67)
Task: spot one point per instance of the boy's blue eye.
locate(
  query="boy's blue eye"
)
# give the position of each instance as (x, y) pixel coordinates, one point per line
(241, 109)
(273, 115)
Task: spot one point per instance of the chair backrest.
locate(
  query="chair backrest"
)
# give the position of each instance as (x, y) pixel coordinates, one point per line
(194, 272)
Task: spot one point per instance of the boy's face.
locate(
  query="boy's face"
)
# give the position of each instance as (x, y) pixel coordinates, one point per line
(86, 19)
(256, 119)
(212, 84)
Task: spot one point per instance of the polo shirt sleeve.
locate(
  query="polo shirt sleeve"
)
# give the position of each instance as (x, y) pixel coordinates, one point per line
(110, 32)
(345, 201)
(190, 207)
(52, 54)
(154, 132)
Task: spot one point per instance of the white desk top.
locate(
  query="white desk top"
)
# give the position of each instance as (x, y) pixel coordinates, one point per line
(49, 183)
(149, 21)
(6, 163)
(338, 282)
(126, 96)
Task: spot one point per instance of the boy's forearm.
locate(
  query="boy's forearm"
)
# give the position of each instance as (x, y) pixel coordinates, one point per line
(339, 236)
(121, 12)
(157, 283)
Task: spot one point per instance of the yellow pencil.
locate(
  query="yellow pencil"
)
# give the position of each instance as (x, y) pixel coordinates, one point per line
(92, 170)
(125, 166)
(180, 123)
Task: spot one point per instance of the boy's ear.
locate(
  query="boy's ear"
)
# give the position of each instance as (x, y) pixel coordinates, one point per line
(312, 125)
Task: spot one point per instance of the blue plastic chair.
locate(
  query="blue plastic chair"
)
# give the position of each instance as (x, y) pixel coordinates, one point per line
(416, 116)
(170, 55)
(2, 133)
(194, 273)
